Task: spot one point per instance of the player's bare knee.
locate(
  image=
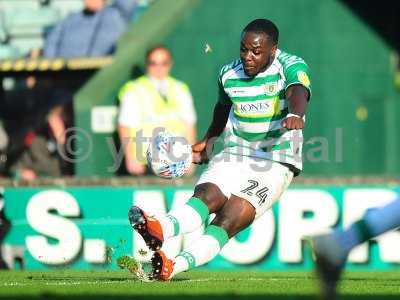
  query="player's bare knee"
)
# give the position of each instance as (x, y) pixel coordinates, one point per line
(227, 219)
(211, 195)
(236, 215)
(227, 223)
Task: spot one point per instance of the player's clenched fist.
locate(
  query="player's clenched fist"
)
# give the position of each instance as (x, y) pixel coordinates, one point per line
(293, 122)
(201, 151)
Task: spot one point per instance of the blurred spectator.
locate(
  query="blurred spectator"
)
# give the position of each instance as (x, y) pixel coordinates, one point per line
(37, 126)
(4, 228)
(42, 137)
(154, 100)
(92, 32)
(4, 142)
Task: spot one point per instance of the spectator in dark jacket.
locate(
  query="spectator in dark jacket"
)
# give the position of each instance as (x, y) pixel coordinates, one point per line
(92, 32)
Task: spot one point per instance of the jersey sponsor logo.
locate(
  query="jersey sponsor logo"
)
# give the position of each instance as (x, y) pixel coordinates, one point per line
(258, 107)
(271, 88)
(303, 78)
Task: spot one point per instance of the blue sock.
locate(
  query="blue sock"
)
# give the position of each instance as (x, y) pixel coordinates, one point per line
(375, 222)
(383, 219)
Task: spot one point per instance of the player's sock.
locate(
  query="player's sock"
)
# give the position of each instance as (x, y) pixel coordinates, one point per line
(201, 251)
(374, 223)
(184, 219)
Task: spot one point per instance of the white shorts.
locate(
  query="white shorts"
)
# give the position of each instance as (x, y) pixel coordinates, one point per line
(259, 181)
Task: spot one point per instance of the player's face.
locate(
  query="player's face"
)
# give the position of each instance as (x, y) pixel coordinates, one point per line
(256, 52)
(94, 5)
(159, 64)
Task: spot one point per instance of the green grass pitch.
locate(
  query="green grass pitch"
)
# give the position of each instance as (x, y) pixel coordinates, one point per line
(207, 285)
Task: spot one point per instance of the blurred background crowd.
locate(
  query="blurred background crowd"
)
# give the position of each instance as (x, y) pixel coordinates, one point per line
(36, 111)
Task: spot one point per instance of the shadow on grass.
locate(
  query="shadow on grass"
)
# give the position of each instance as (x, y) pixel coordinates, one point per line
(194, 297)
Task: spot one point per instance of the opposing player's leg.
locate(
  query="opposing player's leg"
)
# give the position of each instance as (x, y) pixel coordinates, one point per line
(235, 215)
(207, 198)
(331, 250)
(255, 194)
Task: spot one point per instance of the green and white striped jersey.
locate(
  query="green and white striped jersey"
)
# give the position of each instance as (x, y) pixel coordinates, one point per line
(258, 108)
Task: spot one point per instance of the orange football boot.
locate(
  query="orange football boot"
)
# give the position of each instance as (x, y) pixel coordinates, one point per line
(148, 227)
(162, 266)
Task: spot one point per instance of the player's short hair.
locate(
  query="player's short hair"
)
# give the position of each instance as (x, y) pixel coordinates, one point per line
(264, 26)
(155, 48)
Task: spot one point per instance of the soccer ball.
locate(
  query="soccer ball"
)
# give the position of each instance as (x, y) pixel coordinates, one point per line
(169, 156)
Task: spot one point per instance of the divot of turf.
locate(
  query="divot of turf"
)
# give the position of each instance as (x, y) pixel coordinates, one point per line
(134, 267)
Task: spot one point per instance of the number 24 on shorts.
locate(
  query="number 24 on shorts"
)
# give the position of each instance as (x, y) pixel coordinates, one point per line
(260, 193)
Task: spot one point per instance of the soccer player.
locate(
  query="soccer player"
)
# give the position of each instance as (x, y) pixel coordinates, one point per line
(331, 250)
(261, 106)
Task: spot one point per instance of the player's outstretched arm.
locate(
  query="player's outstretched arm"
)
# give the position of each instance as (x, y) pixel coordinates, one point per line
(297, 96)
(203, 148)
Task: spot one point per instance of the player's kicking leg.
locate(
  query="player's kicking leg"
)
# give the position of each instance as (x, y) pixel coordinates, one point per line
(331, 250)
(235, 215)
(207, 199)
(253, 194)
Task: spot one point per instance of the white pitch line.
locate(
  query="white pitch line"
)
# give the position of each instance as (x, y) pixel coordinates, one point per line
(239, 279)
(63, 283)
(97, 282)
